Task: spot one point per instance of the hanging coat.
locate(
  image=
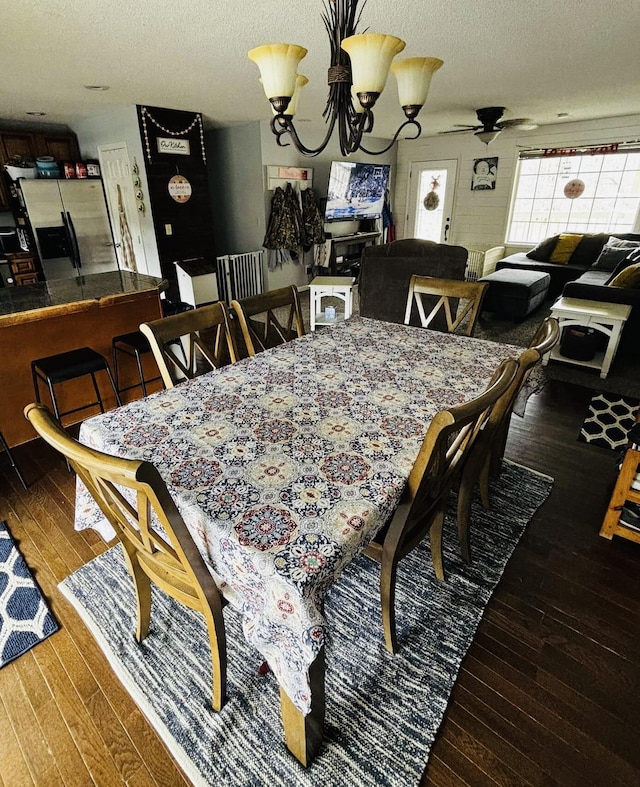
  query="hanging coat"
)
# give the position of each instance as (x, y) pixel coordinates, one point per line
(284, 229)
(312, 221)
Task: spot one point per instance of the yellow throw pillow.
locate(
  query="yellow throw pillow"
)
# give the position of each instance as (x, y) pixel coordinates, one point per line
(566, 245)
(629, 277)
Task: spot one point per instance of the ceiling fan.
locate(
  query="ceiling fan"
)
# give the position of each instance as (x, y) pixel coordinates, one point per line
(491, 124)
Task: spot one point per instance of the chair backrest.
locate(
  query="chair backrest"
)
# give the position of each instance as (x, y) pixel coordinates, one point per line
(280, 318)
(386, 269)
(493, 441)
(451, 436)
(208, 339)
(546, 336)
(136, 502)
(172, 561)
(448, 293)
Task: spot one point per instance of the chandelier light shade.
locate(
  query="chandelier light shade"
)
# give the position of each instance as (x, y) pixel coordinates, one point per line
(292, 108)
(357, 74)
(413, 75)
(278, 64)
(371, 55)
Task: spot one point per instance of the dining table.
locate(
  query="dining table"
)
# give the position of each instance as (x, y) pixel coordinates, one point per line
(285, 465)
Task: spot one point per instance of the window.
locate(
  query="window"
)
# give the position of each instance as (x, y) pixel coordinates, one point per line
(609, 202)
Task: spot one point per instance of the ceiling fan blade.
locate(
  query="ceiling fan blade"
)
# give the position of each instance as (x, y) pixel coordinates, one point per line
(522, 124)
(465, 125)
(458, 130)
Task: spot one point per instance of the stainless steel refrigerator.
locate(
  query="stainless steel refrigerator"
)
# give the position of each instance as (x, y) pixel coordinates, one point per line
(71, 226)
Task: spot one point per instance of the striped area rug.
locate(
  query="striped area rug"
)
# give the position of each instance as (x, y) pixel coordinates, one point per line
(383, 711)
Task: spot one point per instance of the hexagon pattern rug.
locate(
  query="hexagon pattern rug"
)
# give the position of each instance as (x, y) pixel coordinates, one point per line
(608, 421)
(25, 618)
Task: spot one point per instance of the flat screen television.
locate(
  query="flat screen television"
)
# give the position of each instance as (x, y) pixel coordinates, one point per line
(356, 191)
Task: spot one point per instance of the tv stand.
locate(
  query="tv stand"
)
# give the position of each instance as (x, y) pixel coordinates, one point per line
(356, 242)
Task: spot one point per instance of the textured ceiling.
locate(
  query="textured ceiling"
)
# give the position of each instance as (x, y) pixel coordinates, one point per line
(537, 58)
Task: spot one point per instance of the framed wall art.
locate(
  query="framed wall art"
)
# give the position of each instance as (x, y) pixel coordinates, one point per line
(485, 172)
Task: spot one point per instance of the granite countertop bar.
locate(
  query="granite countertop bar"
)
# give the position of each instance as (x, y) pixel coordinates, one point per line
(66, 293)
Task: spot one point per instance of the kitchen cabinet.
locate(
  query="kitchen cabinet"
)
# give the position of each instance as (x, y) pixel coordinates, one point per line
(62, 145)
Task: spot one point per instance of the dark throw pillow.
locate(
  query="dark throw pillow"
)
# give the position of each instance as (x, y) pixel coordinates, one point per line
(614, 252)
(630, 259)
(544, 249)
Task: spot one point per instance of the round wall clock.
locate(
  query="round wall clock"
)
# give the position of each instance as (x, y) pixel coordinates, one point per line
(179, 188)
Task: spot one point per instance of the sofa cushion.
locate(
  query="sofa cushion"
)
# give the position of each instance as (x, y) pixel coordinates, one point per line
(589, 248)
(629, 277)
(560, 274)
(543, 250)
(614, 252)
(566, 244)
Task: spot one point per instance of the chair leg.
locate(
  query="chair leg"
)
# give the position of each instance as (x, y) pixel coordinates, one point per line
(114, 353)
(113, 385)
(141, 373)
(4, 445)
(483, 482)
(97, 390)
(217, 643)
(465, 499)
(388, 572)
(435, 540)
(142, 585)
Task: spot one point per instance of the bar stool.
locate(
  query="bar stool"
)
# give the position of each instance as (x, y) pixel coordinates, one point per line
(69, 365)
(5, 447)
(135, 345)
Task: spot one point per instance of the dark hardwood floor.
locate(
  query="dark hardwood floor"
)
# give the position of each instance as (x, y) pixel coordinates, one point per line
(548, 693)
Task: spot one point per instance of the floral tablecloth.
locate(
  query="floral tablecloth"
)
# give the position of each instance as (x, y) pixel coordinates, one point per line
(285, 465)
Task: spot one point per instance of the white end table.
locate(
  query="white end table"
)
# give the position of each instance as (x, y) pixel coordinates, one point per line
(330, 286)
(606, 318)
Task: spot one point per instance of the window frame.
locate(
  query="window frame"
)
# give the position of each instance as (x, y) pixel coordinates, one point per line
(572, 153)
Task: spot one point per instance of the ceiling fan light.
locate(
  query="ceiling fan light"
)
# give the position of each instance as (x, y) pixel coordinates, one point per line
(371, 55)
(487, 136)
(413, 75)
(278, 64)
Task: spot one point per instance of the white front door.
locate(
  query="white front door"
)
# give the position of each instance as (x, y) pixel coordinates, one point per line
(120, 189)
(431, 191)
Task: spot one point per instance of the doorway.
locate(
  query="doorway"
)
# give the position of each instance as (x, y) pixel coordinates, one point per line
(119, 187)
(431, 192)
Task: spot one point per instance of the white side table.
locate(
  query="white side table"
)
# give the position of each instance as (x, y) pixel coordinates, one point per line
(330, 286)
(606, 318)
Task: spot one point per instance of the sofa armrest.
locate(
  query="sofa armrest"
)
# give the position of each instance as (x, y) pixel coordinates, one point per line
(601, 292)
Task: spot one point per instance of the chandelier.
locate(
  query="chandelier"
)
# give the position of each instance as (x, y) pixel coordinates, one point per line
(357, 75)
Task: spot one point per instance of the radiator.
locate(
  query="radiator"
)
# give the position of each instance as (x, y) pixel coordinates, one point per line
(482, 262)
(240, 275)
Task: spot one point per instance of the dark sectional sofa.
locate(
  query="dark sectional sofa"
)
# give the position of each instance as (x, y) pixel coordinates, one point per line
(580, 279)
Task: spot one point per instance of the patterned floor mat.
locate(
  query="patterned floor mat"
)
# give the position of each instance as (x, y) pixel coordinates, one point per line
(608, 420)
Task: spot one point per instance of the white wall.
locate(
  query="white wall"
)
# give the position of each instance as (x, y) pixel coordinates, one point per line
(116, 125)
(480, 217)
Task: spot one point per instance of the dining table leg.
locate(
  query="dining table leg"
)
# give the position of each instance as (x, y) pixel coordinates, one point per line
(303, 734)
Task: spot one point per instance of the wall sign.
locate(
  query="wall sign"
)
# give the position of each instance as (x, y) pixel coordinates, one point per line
(179, 188)
(180, 147)
(574, 188)
(484, 173)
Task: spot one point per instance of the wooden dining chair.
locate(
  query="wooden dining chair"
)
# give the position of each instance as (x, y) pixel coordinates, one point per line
(450, 437)
(486, 455)
(269, 319)
(157, 545)
(206, 333)
(445, 295)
